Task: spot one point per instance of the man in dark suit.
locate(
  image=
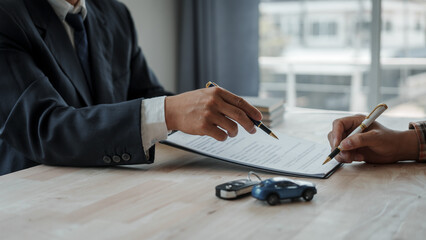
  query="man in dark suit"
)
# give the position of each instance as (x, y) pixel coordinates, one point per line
(76, 90)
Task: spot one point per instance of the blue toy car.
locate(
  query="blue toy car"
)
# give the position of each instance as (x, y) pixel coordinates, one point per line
(274, 189)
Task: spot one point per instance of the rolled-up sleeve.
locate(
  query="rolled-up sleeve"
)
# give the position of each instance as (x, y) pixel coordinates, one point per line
(420, 128)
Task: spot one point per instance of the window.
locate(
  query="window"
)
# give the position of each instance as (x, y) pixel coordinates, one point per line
(332, 29)
(319, 55)
(315, 29)
(324, 29)
(387, 26)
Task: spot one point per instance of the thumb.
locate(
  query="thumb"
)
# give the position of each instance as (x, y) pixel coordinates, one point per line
(359, 140)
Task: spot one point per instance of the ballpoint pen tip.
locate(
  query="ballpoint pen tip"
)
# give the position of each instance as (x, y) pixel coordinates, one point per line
(326, 160)
(273, 135)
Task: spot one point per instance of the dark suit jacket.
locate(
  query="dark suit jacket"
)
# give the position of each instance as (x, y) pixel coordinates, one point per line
(48, 114)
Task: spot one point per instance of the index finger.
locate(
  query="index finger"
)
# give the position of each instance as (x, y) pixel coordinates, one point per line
(242, 104)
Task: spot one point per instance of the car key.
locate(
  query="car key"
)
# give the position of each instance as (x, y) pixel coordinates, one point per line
(237, 188)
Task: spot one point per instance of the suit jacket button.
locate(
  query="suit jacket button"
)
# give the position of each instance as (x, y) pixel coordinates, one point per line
(116, 158)
(125, 157)
(106, 159)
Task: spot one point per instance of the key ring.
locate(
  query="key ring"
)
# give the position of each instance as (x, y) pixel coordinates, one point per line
(255, 174)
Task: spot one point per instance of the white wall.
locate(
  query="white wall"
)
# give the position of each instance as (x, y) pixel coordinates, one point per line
(157, 26)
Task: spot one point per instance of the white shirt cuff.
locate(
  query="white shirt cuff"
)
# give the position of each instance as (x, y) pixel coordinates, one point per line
(153, 122)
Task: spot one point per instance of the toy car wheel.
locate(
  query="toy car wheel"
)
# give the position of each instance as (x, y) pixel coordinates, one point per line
(273, 199)
(308, 195)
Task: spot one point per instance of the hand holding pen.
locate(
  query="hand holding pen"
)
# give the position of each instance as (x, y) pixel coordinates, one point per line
(214, 112)
(361, 127)
(376, 144)
(258, 124)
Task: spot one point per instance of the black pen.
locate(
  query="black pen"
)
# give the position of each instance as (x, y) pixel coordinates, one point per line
(258, 124)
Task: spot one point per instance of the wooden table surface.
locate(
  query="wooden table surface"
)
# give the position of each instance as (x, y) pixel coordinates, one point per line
(174, 198)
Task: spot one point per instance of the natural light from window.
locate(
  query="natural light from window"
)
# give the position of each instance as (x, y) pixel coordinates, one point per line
(316, 54)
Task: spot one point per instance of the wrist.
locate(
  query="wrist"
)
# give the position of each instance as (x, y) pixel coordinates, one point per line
(168, 113)
(408, 145)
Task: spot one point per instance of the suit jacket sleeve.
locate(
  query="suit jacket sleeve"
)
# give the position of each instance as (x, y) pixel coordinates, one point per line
(38, 123)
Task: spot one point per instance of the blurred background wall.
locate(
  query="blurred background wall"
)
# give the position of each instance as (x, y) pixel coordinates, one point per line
(157, 26)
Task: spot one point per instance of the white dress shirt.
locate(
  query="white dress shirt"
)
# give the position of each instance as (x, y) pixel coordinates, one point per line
(153, 121)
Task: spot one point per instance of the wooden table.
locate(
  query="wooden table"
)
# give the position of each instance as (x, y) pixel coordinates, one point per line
(174, 198)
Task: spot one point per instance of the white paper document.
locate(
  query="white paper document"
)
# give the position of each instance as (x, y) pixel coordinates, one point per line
(288, 155)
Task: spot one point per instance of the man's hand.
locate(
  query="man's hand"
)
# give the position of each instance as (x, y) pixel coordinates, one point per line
(203, 111)
(377, 144)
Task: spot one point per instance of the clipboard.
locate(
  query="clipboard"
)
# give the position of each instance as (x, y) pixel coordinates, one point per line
(242, 150)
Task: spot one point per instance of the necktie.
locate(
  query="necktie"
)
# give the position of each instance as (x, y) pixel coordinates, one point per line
(80, 43)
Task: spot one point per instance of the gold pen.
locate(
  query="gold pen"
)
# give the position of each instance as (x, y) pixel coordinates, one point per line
(258, 124)
(377, 111)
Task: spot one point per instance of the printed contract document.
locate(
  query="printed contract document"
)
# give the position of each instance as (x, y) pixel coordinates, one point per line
(288, 155)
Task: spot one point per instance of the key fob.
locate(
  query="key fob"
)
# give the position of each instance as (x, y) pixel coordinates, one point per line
(235, 189)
